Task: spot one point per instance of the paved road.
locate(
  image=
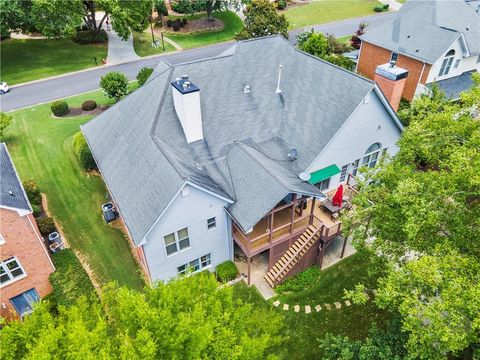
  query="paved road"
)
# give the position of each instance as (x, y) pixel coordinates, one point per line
(64, 86)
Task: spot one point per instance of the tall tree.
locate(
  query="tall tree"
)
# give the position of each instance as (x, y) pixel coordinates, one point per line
(60, 18)
(261, 19)
(421, 213)
(14, 16)
(189, 318)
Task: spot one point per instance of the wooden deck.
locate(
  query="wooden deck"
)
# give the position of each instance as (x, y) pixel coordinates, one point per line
(283, 229)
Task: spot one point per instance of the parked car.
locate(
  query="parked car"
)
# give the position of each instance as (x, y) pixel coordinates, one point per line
(3, 87)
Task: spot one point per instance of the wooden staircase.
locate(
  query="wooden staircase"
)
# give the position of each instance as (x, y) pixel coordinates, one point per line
(291, 257)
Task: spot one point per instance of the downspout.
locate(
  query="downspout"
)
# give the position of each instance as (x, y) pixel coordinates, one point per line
(420, 78)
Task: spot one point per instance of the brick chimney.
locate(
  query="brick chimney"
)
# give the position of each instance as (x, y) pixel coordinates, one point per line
(391, 79)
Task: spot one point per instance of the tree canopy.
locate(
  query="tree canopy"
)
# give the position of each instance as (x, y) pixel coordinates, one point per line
(261, 19)
(421, 213)
(189, 318)
(61, 18)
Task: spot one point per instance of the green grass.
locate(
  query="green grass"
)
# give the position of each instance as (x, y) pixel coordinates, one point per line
(324, 11)
(344, 39)
(142, 43)
(42, 150)
(301, 330)
(27, 60)
(233, 25)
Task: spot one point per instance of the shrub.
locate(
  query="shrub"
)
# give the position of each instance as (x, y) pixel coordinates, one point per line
(33, 193)
(114, 85)
(89, 105)
(70, 281)
(36, 210)
(378, 8)
(46, 225)
(90, 37)
(143, 75)
(5, 121)
(184, 22)
(386, 6)
(281, 4)
(176, 26)
(188, 6)
(301, 281)
(226, 271)
(59, 108)
(169, 22)
(83, 152)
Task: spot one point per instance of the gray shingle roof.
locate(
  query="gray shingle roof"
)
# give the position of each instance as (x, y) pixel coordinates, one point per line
(425, 29)
(144, 157)
(12, 194)
(453, 86)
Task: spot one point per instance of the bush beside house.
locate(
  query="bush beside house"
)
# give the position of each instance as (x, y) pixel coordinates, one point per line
(89, 105)
(83, 152)
(226, 271)
(46, 225)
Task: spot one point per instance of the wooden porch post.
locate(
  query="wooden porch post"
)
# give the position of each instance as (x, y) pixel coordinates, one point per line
(343, 248)
(322, 252)
(248, 271)
(312, 210)
(271, 227)
(294, 204)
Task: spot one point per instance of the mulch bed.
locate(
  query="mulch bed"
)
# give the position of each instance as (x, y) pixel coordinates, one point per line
(198, 25)
(79, 111)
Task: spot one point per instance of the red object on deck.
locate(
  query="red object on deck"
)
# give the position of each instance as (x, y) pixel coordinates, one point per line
(338, 197)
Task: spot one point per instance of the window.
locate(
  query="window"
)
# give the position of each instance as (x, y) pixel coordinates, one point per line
(447, 63)
(355, 165)
(323, 185)
(177, 241)
(10, 270)
(371, 155)
(478, 59)
(343, 174)
(394, 57)
(196, 265)
(23, 303)
(457, 62)
(211, 223)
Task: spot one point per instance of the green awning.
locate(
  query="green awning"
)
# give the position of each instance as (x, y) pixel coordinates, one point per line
(323, 174)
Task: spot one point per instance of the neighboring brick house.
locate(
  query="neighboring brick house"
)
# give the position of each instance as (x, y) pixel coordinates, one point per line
(25, 263)
(436, 41)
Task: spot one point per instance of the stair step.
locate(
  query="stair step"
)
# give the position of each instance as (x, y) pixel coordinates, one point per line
(270, 282)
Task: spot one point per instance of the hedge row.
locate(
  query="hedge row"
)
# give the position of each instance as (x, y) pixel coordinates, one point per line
(69, 281)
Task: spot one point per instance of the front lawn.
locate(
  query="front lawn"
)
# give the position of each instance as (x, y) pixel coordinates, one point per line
(142, 43)
(301, 330)
(42, 150)
(324, 11)
(27, 60)
(233, 25)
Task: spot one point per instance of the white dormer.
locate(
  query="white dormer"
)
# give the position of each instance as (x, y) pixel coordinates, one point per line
(186, 99)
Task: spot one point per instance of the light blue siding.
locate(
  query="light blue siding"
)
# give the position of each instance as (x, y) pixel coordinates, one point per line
(192, 212)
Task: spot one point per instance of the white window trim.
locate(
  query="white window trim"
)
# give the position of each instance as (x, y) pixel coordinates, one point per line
(15, 279)
(214, 222)
(177, 242)
(187, 266)
(445, 70)
(2, 240)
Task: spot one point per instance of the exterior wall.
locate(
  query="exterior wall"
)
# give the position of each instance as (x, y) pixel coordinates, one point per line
(391, 89)
(466, 64)
(22, 240)
(368, 124)
(371, 56)
(192, 212)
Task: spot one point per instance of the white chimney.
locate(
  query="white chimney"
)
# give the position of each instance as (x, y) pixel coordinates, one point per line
(186, 99)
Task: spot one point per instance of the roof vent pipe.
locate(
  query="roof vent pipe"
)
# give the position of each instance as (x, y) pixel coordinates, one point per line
(279, 91)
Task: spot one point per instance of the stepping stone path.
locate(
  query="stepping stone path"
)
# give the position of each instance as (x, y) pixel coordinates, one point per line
(318, 308)
(338, 305)
(285, 307)
(276, 303)
(296, 308)
(348, 303)
(308, 309)
(328, 306)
